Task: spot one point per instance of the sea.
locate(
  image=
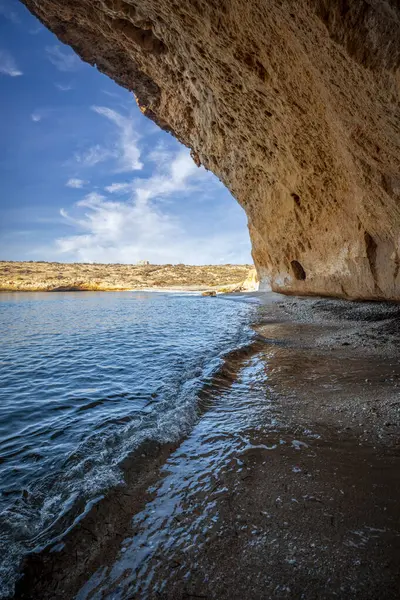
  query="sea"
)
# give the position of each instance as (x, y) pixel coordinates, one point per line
(85, 380)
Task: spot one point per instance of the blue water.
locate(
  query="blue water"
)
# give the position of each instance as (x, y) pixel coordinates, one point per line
(84, 379)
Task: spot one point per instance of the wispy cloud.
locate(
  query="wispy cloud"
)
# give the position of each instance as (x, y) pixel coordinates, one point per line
(7, 12)
(144, 227)
(127, 143)
(119, 188)
(64, 87)
(36, 30)
(64, 59)
(43, 112)
(111, 94)
(94, 155)
(8, 65)
(76, 183)
(122, 146)
(174, 173)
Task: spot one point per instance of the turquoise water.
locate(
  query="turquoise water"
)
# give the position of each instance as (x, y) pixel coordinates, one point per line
(86, 378)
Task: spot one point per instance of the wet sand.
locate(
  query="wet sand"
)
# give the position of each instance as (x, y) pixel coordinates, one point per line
(285, 488)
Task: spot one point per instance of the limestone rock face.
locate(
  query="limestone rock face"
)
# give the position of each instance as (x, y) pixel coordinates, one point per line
(293, 104)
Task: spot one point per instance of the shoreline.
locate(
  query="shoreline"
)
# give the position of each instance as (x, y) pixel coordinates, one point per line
(220, 290)
(98, 534)
(188, 288)
(185, 289)
(343, 392)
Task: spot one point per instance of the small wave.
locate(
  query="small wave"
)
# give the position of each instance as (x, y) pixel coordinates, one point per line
(163, 358)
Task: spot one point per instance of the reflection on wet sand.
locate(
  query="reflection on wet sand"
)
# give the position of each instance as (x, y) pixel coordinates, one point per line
(286, 487)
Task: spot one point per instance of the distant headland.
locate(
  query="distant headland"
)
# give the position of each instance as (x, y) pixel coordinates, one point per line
(71, 277)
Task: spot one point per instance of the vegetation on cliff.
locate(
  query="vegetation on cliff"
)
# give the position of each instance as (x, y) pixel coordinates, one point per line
(52, 277)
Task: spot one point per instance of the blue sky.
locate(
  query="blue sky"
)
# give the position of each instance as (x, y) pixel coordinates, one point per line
(86, 177)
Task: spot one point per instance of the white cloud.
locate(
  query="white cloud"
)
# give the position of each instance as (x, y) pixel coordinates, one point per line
(42, 113)
(118, 188)
(8, 65)
(112, 94)
(122, 148)
(127, 142)
(65, 60)
(63, 87)
(90, 200)
(36, 30)
(175, 173)
(76, 183)
(144, 227)
(180, 176)
(93, 155)
(8, 13)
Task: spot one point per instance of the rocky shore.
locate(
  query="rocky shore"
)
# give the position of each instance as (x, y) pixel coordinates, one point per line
(75, 277)
(285, 488)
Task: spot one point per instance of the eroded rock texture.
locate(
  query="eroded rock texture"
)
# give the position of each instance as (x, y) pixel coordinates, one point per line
(294, 104)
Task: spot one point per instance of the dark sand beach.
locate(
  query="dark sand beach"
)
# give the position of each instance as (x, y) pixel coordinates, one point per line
(287, 486)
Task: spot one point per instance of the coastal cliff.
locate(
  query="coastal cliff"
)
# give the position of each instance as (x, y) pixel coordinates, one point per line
(85, 277)
(293, 104)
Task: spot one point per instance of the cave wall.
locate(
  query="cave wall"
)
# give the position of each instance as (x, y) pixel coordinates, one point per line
(293, 104)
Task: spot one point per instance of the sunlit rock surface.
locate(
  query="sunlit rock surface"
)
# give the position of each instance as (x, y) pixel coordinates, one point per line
(293, 104)
(81, 277)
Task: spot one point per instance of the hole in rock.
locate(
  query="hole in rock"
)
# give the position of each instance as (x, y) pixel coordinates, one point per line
(296, 199)
(298, 270)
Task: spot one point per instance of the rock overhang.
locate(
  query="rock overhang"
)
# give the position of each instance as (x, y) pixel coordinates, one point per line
(294, 105)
